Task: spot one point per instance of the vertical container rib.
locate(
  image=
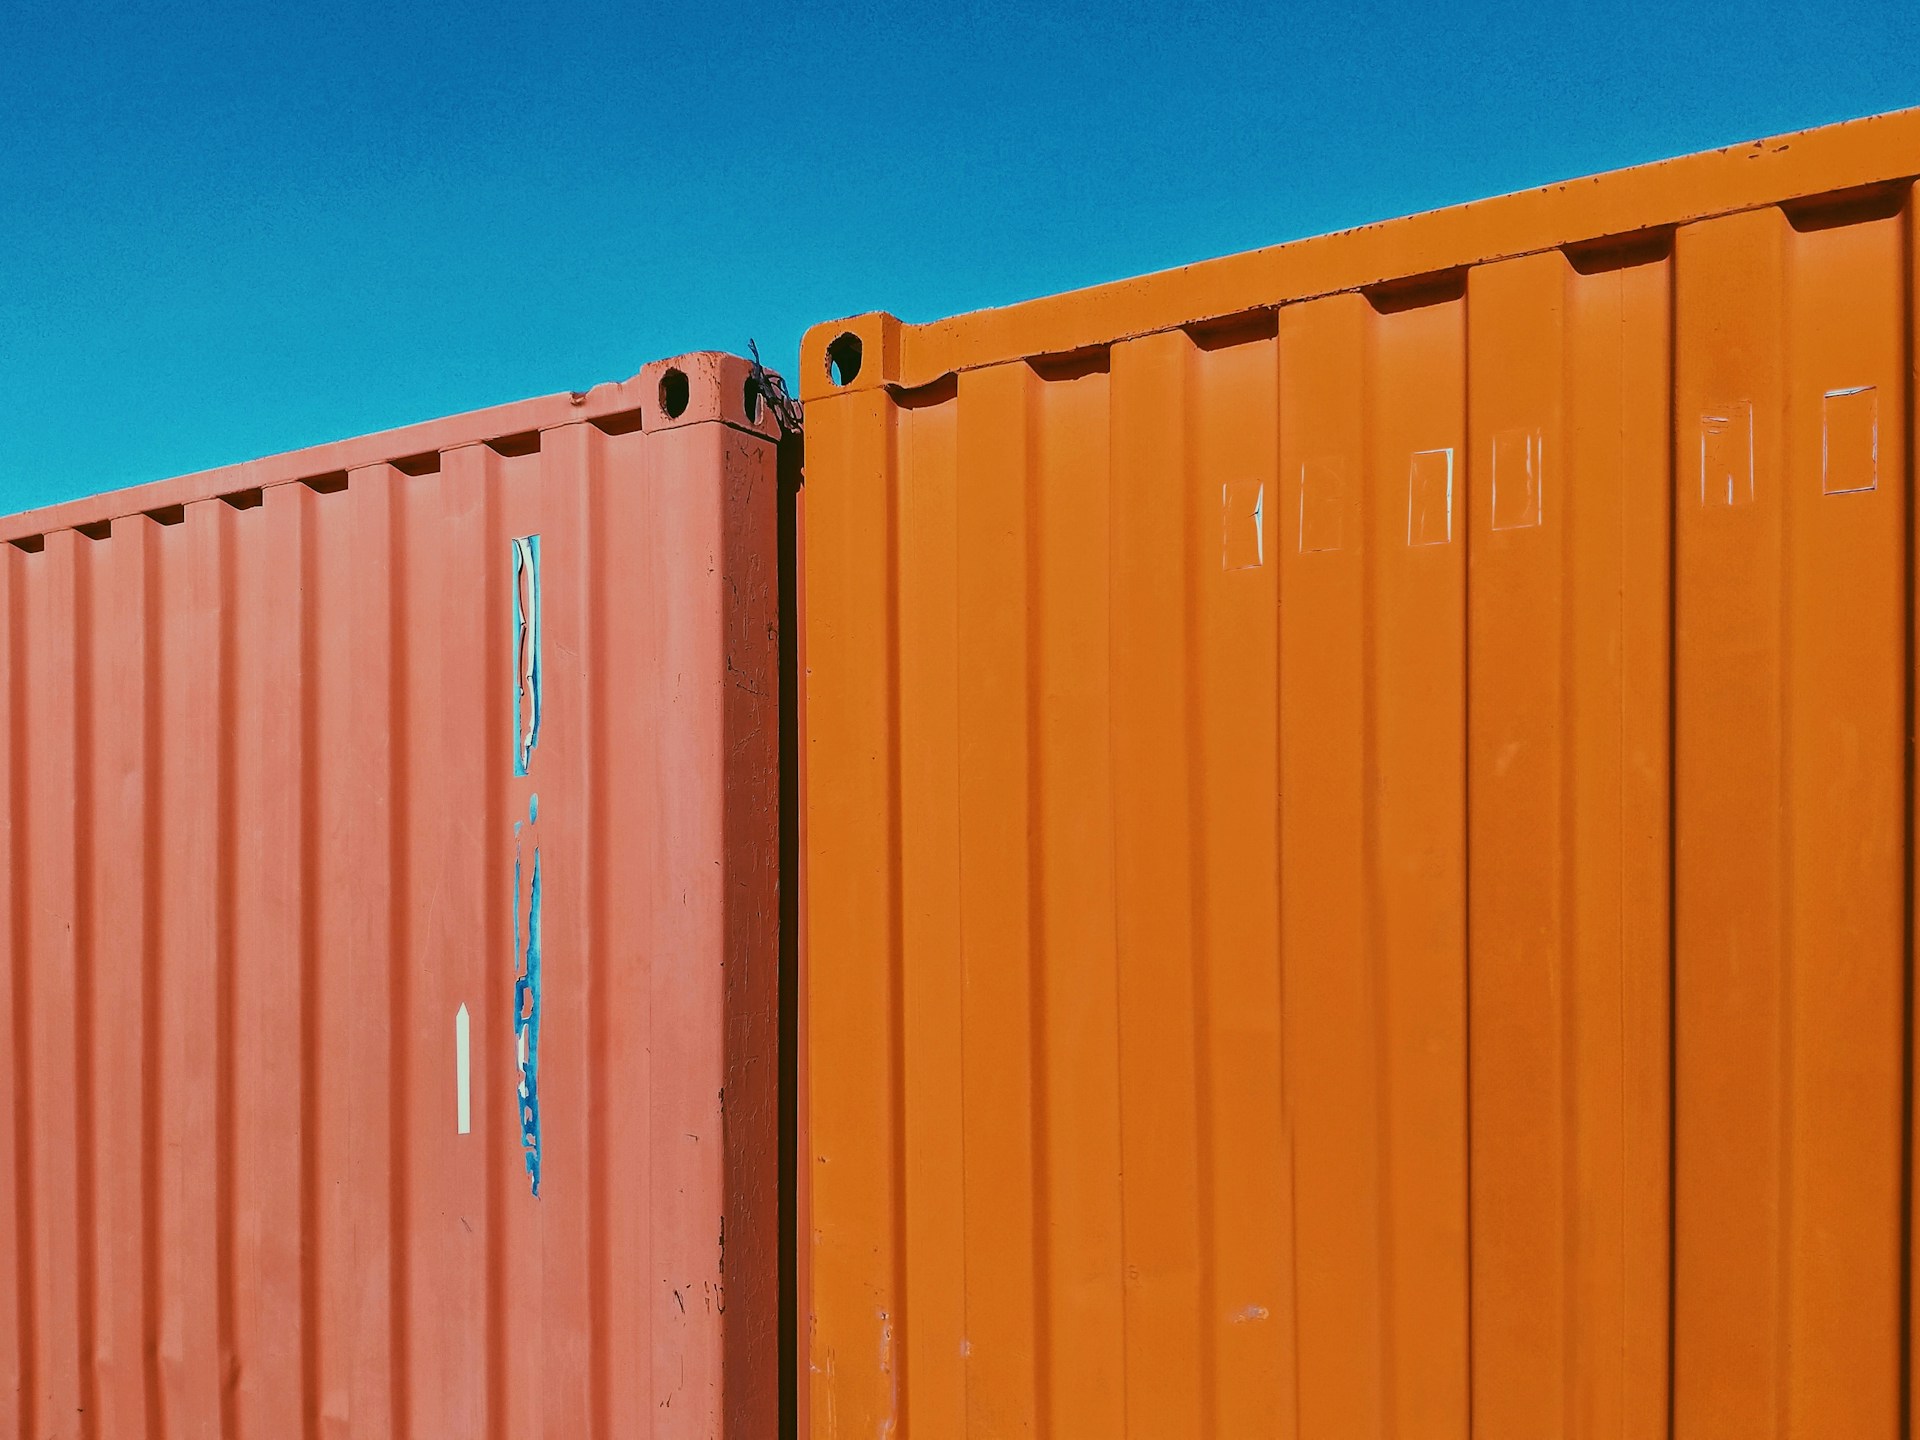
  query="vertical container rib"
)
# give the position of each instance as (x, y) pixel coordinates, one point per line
(1910, 313)
(990, 761)
(932, 1011)
(316, 1241)
(86, 1210)
(1077, 1133)
(1039, 1140)
(895, 1325)
(153, 924)
(1189, 536)
(120, 905)
(598, 1097)
(20, 1000)
(221, 601)
(54, 769)
(1159, 1086)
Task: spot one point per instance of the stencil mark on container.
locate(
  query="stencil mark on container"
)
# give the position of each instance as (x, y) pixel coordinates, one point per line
(1850, 441)
(1243, 541)
(462, 1072)
(1518, 481)
(1430, 497)
(1726, 454)
(1323, 504)
(526, 983)
(526, 651)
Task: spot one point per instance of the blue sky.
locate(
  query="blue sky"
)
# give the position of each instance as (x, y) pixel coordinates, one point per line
(227, 231)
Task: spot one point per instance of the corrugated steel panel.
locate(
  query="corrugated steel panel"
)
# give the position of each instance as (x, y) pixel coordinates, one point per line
(390, 857)
(1358, 829)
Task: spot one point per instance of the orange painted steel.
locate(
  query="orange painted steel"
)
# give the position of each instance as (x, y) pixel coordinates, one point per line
(272, 840)
(1358, 832)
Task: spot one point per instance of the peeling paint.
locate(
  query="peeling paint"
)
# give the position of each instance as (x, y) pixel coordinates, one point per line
(526, 985)
(526, 651)
(527, 708)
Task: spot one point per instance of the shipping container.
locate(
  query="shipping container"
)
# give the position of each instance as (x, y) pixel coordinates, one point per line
(390, 872)
(1359, 829)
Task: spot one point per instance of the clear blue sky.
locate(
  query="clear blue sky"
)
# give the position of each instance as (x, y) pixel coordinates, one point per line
(225, 231)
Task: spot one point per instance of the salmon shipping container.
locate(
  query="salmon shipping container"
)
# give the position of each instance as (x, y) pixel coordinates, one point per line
(1358, 829)
(390, 857)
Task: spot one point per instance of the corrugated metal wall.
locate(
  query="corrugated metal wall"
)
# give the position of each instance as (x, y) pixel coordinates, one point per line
(265, 852)
(1359, 855)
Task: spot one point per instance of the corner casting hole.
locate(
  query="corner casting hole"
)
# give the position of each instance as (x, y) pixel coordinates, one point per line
(843, 358)
(674, 393)
(750, 397)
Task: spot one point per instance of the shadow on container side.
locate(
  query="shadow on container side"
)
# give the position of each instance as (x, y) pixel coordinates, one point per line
(792, 1092)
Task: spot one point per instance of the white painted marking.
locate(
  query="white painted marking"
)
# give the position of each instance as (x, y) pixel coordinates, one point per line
(463, 1070)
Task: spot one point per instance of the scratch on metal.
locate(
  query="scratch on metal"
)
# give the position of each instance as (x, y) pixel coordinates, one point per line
(891, 1418)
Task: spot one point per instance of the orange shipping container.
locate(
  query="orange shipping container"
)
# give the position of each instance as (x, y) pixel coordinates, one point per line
(389, 857)
(1359, 829)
